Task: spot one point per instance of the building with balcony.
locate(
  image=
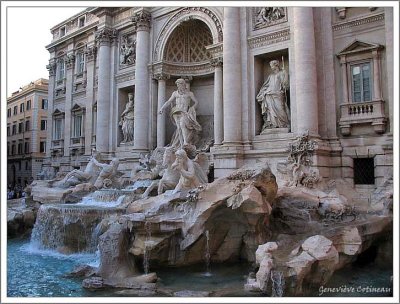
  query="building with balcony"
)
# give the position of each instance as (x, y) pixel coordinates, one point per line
(339, 62)
(26, 132)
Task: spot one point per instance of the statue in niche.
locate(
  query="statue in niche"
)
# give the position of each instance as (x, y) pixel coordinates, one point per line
(127, 120)
(76, 177)
(169, 176)
(183, 115)
(272, 97)
(126, 52)
(268, 15)
(191, 173)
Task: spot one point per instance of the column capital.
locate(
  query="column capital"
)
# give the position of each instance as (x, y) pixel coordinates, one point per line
(90, 52)
(51, 67)
(105, 36)
(69, 61)
(216, 62)
(141, 20)
(161, 76)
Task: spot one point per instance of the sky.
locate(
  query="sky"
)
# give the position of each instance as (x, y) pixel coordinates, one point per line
(28, 32)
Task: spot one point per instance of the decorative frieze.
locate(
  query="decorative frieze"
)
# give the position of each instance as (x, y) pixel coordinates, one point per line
(216, 62)
(183, 70)
(268, 16)
(125, 77)
(358, 21)
(141, 20)
(161, 76)
(275, 37)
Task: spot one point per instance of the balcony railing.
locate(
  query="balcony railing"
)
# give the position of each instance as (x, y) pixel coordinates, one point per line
(58, 144)
(372, 112)
(78, 141)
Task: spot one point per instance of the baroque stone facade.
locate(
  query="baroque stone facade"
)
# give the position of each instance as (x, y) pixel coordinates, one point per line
(339, 63)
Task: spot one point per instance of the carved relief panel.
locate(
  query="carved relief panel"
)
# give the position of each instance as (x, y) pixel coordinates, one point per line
(268, 16)
(127, 50)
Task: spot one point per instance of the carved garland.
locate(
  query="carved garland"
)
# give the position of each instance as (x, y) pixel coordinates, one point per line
(186, 11)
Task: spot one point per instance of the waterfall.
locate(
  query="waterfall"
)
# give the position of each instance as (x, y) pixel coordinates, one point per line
(147, 247)
(278, 283)
(207, 254)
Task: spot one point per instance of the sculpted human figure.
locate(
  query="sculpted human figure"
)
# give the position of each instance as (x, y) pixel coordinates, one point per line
(184, 116)
(75, 177)
(272, 98)
(170, 176)
(191, 174)
(127, 120)
(108, 171)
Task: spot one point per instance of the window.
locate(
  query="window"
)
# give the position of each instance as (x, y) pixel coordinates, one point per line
(8, 149)
(22, 107)
(13, 150)
(26, 147)
(14, 129)
(27, 125)
(15, 110)
(57, 128)
(61, 69)
(361, 82)
(42, 147)
(63, 31)
(9, 112)
(77, 128)
(44, 104)
(364, 171)
(80, 62)
(43, 125)
(26, 165)
(28, 105)
(8, 130)
(81, 21)
(20, 148)
(20, 127)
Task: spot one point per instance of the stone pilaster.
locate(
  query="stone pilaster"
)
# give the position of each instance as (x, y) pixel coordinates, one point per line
(389, 62)
(90, 54)
(218, 101)
(232, 78)
(103, 38)
(51, 67)
(306, 73)
(141, 21)
(161, 98)
(69, 64)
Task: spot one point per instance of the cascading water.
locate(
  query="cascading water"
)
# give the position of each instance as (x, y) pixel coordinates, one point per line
(72, 228)
(278, 283)
(147, 248)
(207, 255)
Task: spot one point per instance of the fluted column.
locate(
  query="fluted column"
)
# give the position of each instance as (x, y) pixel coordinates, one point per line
(51, 67)
(218, 101)
(161, 98)
(306, 72)
(141, 21)
(103, 37)
(90, 70)
(232, 78)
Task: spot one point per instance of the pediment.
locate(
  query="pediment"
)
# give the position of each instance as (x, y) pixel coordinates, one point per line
(358, 46)
(57, 112)
(77, 107)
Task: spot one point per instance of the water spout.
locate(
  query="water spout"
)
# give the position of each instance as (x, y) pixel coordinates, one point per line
(207, 255)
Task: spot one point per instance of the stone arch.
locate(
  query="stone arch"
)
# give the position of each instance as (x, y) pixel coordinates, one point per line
(203, 14)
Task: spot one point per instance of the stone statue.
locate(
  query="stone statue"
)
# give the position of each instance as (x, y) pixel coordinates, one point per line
(75, 177)
(170, 176)
(184, 116)
(109, 173)
(127, 120)
(126, 52)
(268, 15)
(192, 175)
(272, 97)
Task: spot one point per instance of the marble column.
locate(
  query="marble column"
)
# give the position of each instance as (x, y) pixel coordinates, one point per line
(232, 77)
(103, 38)
(218, 101)
(141, 21)
(90, 71)
(345, 90)
(161, 98)
(70, 64)
(51, 67)
(305, 67)
(376, 79)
